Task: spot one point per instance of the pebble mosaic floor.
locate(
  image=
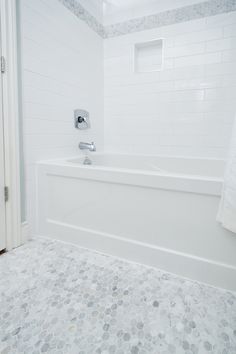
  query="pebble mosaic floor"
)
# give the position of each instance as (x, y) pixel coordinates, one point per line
(58, 298)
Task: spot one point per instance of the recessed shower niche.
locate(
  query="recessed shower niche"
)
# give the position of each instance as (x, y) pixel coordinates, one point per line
(148, 56)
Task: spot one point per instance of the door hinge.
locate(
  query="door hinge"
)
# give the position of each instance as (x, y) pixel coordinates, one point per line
(6, 193)
(3, 64)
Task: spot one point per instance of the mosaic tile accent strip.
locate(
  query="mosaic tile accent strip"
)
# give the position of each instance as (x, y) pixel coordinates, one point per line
(183, 14)
(79, 11)
(60, 299)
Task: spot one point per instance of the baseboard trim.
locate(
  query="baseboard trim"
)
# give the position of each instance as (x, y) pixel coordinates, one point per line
(189, 266)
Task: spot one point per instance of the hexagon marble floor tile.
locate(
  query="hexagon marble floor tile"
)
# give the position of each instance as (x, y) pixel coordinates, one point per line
(62, 299)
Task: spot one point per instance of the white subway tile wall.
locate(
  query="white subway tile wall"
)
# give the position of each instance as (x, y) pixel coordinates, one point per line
(62, 70)
(187, 108)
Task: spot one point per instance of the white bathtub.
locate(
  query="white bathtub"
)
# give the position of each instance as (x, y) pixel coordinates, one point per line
(154, 210)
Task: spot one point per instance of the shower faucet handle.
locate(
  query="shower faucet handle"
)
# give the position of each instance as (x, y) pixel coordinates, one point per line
(81, 119)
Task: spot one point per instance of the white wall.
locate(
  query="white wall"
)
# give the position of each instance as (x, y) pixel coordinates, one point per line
(62, 70)
(185, 109)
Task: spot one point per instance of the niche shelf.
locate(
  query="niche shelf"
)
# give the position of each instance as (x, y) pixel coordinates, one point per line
(148, 56)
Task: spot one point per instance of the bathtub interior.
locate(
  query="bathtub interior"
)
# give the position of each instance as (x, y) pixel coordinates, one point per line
(161, 164)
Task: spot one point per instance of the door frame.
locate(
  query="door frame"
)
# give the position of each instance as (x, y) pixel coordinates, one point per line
(2, 176)
(14, 234)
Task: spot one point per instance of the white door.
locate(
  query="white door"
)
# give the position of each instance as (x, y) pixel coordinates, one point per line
(2, 174)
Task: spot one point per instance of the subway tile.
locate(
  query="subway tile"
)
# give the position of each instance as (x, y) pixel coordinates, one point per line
(186, 50)
(229, 56)
(199, 36)
(223, 69)
(189, 72)
(187, 95)
(230, 31)
(199, 83)
(221, 45)
(201, 59)
(222, 94)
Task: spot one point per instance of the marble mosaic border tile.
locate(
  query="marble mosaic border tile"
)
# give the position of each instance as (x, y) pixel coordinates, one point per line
(79, 11)
(183, 14)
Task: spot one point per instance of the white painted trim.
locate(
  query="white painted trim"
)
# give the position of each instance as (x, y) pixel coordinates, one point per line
(204, 270)
(11, 122)
(2, 177)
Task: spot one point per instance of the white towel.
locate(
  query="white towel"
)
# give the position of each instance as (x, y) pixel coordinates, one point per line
(227, 210)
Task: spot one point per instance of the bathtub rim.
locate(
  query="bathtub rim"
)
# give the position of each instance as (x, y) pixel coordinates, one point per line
(144, 178)
(67, 161)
